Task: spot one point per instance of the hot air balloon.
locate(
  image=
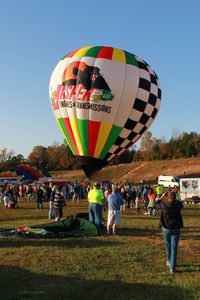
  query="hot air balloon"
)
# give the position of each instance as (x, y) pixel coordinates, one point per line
(103, 99)
(27, 171)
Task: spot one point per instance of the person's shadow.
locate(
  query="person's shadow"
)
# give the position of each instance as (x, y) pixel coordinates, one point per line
(17, 283)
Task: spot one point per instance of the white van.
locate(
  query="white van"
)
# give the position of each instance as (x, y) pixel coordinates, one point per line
(9, 180)
(169, 181)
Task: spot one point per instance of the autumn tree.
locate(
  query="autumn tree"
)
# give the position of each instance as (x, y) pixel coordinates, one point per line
(5, 157)
(146, 145)
(37, 157)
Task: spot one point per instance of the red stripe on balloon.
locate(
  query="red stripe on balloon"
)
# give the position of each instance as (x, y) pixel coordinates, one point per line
(93, 131)
(72, 53)
(71, 135)
(105, 52)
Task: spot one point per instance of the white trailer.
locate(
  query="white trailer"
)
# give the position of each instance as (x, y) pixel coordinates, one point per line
(189, 188)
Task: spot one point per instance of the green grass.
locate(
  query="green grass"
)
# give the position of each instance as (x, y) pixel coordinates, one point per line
(129, 266)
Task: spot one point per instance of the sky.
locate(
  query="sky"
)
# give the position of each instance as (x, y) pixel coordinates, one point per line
(35, 35)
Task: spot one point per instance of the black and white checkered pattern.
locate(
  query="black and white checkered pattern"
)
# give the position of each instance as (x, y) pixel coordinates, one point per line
(144, 111)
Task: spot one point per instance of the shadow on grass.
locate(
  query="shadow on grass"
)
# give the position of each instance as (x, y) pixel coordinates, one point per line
(63, 243)
(190, 237)
(191, 215)
(188, 268)
(139, 232)
(17, 283)
(146, 232)
(140, 217)
(188, 233)
(23, 218)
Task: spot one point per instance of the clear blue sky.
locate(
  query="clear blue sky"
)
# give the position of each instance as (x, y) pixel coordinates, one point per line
(36, 34)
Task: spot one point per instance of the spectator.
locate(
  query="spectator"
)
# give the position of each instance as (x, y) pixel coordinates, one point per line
(51, 201)
(129, 195)
(7, 197)
(115, 200)
(176, 191)
(39, 198)
(146, 200)
(59, 202)
(124, 197)
(96, 203)
(171, 222)
(159, 191)
(29, 193)
(21, 193)
(140, 188)
(137, 203)
(151, 204)
(76, 195)
(133, 197)
(44, 192)
(106, 193)
(72, 191)
(49, 188)
(16, 190)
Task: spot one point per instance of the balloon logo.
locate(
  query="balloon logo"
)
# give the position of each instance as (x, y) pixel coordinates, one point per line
(103, 99)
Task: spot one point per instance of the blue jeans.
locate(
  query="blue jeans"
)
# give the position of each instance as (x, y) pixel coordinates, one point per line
(39, 202)
(95, 214)
(152, 211)
(171, 237)
(51, 212)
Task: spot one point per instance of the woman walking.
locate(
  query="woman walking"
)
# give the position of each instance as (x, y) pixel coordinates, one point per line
(171, 222)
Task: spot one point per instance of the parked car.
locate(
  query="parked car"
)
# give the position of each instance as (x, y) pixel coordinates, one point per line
(166, 181)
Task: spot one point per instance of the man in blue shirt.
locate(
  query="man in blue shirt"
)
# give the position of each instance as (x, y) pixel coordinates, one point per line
(114, 201)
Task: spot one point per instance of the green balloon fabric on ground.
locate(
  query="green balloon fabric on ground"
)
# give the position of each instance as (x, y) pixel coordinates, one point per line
(70, 227)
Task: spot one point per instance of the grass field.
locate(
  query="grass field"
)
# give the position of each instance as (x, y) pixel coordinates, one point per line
(131, 265)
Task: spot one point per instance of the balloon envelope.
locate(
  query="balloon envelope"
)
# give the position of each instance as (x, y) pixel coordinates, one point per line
(103, 99)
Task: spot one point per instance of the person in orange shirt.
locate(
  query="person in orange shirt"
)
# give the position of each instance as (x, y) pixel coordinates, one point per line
(151, 205)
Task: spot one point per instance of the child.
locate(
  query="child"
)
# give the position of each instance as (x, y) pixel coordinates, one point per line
(151, 205)
(137, 203)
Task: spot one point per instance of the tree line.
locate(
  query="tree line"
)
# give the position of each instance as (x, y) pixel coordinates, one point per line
(60, 157)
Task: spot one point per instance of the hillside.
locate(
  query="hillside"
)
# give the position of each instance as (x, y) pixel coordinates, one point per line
(147, 171)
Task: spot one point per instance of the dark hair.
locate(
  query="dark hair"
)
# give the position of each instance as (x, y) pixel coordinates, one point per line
(60, 188)
(173, 195)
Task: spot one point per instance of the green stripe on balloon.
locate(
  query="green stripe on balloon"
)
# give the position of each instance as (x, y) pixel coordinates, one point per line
(83, 130)
(114, 133)
(131, 59)
(93, 52)
(62, 125)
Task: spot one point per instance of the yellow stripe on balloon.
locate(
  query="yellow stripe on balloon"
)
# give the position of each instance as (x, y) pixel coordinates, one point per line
(119, 55)
(82, 51)
(102, 137)
(75, 130)
(64, 135)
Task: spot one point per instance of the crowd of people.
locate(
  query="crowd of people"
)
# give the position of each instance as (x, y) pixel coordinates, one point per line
(133, 196)
(115, 198)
